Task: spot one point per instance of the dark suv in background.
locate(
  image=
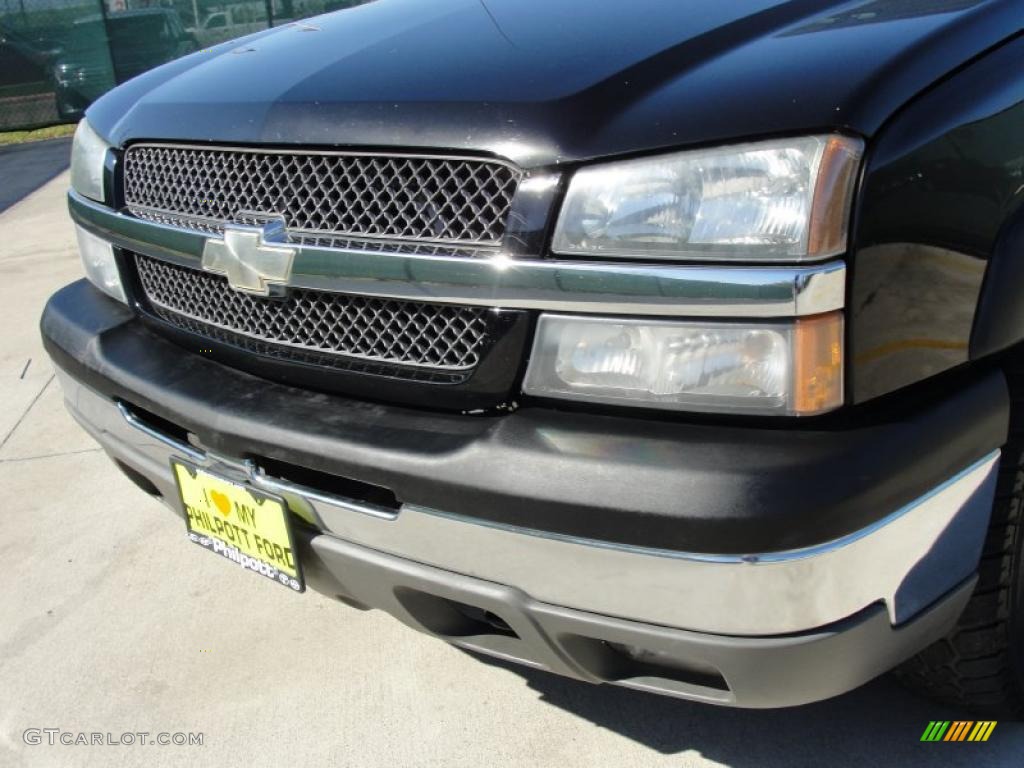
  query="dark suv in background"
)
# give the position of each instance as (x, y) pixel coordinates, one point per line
(25, 62)
(669, 345)
(101, 52)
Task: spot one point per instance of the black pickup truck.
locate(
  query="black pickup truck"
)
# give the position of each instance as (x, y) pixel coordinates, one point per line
(669, 345)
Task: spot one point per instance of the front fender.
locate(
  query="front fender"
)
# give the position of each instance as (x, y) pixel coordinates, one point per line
(937, 241)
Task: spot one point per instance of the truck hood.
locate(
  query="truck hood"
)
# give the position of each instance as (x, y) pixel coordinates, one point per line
(544, 82)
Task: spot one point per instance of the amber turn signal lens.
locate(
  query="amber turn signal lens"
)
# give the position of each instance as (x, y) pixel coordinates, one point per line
(833, 195)
(818, 364)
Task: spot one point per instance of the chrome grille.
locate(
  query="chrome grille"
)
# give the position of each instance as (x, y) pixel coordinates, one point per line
(406, 333)
(440, 199)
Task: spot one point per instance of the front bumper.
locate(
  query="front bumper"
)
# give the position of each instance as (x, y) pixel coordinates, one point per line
(730, 626)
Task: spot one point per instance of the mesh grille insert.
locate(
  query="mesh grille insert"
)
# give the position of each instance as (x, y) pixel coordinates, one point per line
(394, 196)
(317, 326)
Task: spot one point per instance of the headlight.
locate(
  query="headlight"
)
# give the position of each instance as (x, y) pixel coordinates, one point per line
(792, 368)
(100, 265)
(88, 158)
(779, 200)
(65, 74)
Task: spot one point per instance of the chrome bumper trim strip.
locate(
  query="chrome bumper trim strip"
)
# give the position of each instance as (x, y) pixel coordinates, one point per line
(512, 283)
(175, 446)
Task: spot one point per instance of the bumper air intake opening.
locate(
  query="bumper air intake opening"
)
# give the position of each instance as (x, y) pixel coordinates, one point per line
(159, 423)
(450, 618)
(335, 485)
(623, 663)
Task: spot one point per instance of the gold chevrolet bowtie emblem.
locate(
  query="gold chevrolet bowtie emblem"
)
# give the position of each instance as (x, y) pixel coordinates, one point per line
(254, 259)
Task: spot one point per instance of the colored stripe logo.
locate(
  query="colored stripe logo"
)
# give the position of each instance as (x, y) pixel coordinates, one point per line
(959, 730)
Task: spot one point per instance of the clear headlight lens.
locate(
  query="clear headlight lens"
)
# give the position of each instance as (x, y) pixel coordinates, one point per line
(781, 200)
(792, 368)
(100, 265)
(88, 157)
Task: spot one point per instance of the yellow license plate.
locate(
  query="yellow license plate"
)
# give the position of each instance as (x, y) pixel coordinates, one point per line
(239, 523)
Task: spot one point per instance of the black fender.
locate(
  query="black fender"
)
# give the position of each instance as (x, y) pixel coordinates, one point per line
(936, 256)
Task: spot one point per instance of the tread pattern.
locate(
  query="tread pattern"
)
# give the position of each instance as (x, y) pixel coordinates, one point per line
(978, 664)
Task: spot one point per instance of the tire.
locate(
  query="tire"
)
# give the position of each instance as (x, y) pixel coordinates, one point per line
(979, 665)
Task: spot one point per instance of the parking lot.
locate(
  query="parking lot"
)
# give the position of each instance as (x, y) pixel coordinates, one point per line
(112, 622)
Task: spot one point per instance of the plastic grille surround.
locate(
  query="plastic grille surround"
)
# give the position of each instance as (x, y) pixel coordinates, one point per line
(437, 199)
(317, 324)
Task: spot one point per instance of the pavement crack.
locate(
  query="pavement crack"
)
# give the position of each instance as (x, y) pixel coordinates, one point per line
(50, 455)
(23, 370)
(21, 418)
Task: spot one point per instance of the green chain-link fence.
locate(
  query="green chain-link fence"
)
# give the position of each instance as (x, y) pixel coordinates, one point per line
(58, 56)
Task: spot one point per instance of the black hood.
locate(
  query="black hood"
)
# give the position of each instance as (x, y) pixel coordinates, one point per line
(550, 81)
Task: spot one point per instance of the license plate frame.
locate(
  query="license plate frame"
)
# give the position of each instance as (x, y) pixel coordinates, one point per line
(240, 523)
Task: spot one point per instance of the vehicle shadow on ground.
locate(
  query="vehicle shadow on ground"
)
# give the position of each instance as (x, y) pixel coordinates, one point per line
(26, 167)
(880, 723)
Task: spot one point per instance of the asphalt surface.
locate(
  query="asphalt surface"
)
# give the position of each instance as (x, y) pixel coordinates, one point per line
(25, 167)
(111, 622)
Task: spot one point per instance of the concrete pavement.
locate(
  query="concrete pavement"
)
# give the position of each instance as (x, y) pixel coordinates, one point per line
(112, 622)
